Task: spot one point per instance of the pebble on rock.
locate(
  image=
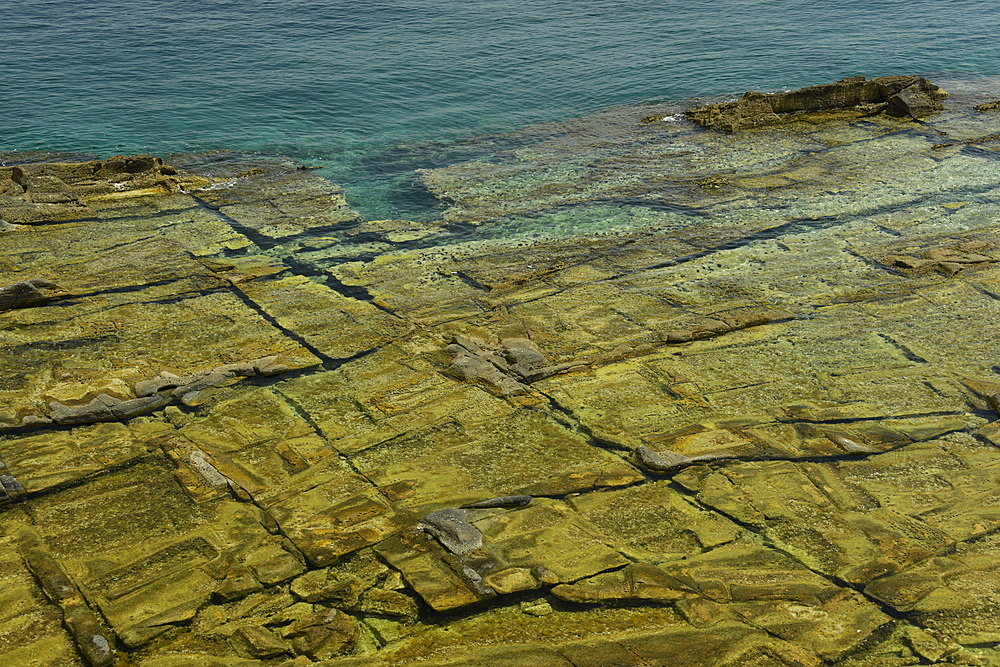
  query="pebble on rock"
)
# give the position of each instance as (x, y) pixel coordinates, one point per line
(451, 528)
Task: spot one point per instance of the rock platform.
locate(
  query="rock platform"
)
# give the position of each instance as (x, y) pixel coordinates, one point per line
(644, 394)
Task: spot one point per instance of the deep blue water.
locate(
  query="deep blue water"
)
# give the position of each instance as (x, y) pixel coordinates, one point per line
(340, 83)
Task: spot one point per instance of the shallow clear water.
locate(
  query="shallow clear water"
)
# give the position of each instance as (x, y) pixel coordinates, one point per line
(343, 83)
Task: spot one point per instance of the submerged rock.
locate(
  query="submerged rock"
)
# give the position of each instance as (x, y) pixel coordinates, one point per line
(92, 640)
(472, 366)
(972, 141)
(153, 394)
(27, 293)
(987, 390)
(98, 410)
(667, 461)
(256, 641)
(850, 445)
(452, 529)
(901, 96)
(10, 488)
(661, 461)
(947, 261)
(322, 635)
(518, 362)
(636, 582)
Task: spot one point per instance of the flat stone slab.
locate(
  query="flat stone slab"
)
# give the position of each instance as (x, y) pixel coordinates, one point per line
(41, 462)
(652, 523)
(850, 545)
(949, 595)
(269, 197)
(524, 453)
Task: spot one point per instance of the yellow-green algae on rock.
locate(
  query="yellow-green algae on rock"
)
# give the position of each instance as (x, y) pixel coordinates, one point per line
(754, 423)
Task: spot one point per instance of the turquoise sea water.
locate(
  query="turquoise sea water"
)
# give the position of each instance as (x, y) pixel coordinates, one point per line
(343, 83)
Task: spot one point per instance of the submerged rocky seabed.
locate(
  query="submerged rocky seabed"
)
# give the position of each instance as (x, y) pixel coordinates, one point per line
(729, 398)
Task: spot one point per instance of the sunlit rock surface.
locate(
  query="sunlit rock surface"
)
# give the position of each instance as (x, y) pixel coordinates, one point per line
(645, 394)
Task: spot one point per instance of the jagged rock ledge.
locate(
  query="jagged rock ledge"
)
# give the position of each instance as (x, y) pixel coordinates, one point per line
(899, 96)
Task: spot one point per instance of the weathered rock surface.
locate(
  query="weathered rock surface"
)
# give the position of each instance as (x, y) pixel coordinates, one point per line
(754, 422)
(901, 96)
(93, 641)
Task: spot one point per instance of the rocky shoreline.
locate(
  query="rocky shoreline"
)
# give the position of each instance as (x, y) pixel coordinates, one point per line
(752, 421)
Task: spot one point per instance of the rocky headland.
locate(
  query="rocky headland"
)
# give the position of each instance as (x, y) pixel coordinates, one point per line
(646, 393)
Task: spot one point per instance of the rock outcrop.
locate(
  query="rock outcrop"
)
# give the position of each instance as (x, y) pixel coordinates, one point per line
(508, 370)
(946, 260)
(54, 191)
(900, 96)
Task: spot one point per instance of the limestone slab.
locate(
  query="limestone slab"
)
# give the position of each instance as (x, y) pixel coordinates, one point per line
(338, 326)
(46, 460)
(813, 513)
(336, 518)
(953, 596)
(273, 197)
(384, 395)
(652, 522)
(526, 452)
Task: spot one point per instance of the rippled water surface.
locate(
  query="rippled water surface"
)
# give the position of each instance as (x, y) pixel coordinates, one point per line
(343, 84)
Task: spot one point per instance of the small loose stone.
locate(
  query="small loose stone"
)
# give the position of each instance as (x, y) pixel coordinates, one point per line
(451, 528)
(850, 446)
